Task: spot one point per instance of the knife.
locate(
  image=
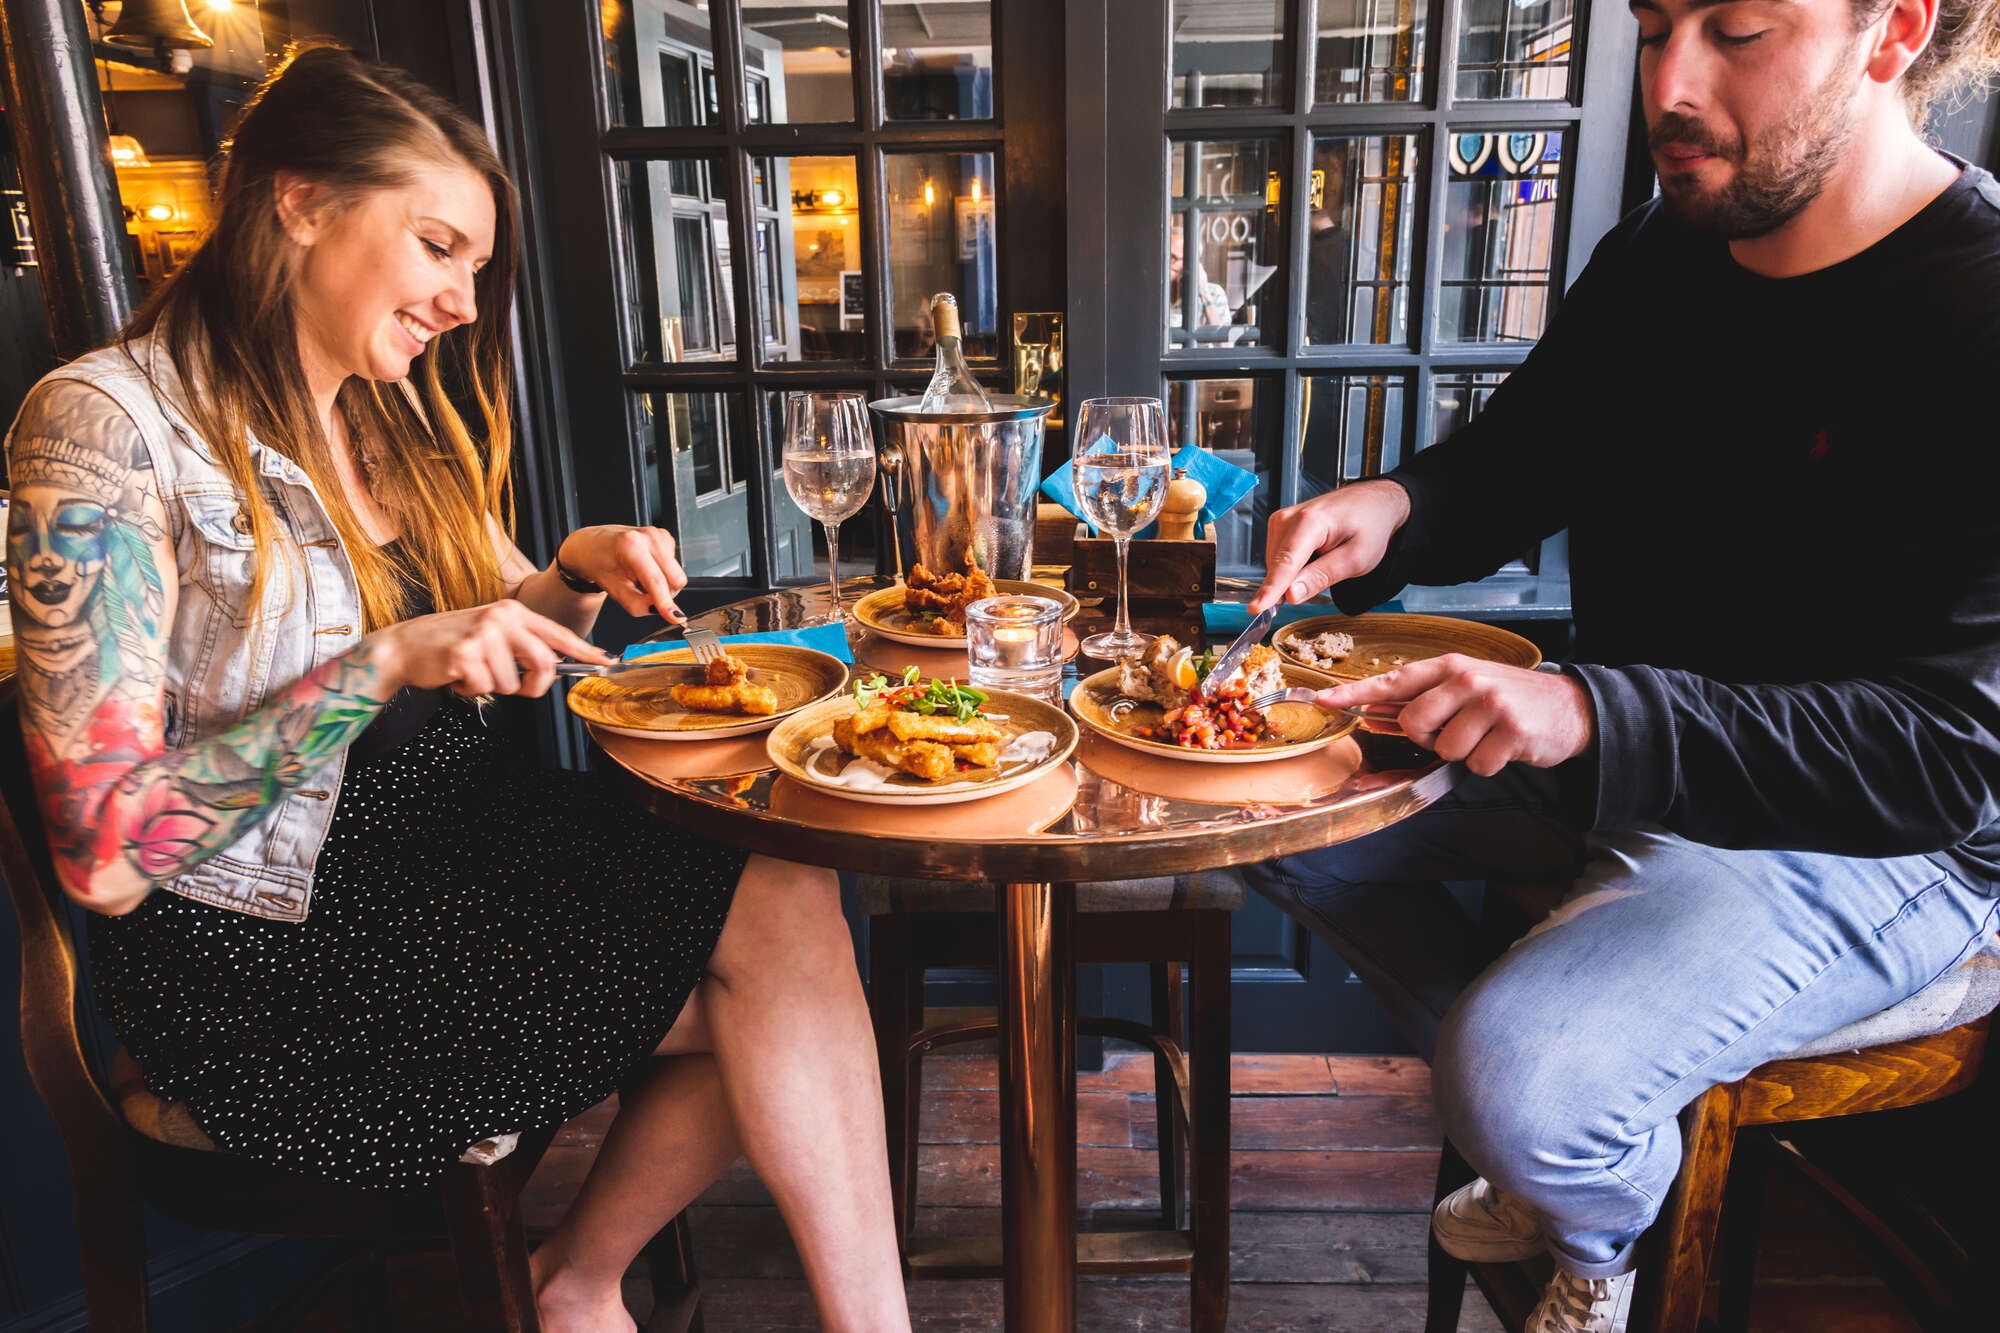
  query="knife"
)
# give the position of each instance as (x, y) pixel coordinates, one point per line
(695, 670)
(1232, 660)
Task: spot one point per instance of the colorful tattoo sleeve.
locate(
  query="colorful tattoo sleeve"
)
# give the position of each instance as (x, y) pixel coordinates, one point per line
(92, 569)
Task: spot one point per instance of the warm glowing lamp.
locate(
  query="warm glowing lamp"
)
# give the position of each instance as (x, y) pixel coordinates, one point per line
(127, 152)
(160, 212)
(930, 194)
(832, 198)
(977, 189)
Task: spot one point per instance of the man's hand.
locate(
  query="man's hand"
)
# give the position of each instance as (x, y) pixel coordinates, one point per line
(1328, 539)
(1487, 714)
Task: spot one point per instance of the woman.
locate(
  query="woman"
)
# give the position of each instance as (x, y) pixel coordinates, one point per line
(263, 567)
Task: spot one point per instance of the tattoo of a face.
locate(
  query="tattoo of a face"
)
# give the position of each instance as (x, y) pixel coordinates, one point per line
(87, 591)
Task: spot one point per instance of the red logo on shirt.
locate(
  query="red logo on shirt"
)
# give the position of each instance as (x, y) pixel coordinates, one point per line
(1820, 444)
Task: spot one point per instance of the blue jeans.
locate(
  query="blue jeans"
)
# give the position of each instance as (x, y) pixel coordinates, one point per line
(1669, 967)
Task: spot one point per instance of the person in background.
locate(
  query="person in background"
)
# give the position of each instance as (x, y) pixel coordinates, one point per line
(1770, 773)
(263, 569)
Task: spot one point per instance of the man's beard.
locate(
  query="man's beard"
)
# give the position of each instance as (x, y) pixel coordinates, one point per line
(1776, 178)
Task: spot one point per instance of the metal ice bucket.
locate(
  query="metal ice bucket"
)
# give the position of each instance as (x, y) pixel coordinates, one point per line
(970, 481)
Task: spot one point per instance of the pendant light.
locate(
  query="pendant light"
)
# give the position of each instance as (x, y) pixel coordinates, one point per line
(157, 25)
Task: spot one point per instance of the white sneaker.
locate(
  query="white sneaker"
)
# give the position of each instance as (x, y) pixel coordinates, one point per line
(1575, 1304)
(1481, 1225)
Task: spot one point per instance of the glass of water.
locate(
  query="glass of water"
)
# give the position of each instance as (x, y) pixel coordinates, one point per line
(1120, 466)
(1015, 643)
(829, 464)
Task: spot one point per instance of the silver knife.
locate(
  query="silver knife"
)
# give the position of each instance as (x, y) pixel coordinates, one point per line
(1232, 660)
(694, 669)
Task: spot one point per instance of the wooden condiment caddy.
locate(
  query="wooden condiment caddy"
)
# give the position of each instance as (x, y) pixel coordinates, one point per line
(1176, 566)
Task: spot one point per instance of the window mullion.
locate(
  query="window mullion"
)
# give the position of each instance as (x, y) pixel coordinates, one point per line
(1305, 28)
(727, 17)
(1446, 63)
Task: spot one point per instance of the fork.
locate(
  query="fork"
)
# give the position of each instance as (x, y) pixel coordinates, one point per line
(702, 643)
(1375, 712)
(1294, 695)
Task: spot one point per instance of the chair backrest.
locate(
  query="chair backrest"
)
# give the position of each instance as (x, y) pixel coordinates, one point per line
(50, 1036)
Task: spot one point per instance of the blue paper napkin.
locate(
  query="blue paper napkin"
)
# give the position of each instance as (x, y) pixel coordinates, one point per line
(1225, 482)
(829, 639)
(1226, 620)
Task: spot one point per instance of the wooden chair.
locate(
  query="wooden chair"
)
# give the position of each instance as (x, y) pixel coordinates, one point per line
(916, 925)
(128, 1148)
(1926, 1048)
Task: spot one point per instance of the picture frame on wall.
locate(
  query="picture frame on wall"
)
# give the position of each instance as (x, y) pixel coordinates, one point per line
(176, 248)
(975, 227)
(853, 300)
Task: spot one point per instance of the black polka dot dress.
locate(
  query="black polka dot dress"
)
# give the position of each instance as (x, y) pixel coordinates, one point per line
(490, 947)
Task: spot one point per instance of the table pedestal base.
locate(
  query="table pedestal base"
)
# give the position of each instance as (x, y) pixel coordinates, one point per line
(1038, 1106)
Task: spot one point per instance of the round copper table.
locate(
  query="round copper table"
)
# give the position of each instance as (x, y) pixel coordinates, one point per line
(1107, 813)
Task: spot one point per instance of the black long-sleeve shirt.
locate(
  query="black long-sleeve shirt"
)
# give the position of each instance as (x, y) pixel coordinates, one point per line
(1784, 533)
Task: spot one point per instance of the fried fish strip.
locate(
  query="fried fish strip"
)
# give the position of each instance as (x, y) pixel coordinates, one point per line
(985, 754)
(727, 670)
(924, 759)
(949, 731)
(754, 700)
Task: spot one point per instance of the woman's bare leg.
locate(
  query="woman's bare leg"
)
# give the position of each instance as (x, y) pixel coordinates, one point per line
(797, 1055)
(671, 1139)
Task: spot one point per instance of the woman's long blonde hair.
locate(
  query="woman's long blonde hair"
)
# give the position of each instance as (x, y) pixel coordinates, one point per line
(226, 318)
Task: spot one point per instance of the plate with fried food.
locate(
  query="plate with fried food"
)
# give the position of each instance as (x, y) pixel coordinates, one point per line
(1152, 704)
(927, 610)
(1355, 647)
(672, 697)
(917, 741)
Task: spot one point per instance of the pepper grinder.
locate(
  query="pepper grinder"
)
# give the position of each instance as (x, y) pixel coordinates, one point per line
(1178, 515)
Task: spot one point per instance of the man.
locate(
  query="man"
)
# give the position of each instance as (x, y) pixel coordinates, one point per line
(1770, 774)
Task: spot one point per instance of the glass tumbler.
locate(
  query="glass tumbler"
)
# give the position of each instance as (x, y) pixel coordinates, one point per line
(1015, 643)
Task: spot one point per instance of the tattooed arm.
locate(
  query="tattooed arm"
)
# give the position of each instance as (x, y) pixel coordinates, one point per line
(95, 587)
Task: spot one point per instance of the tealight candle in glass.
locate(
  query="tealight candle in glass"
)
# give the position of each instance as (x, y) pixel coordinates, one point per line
(1015, 643)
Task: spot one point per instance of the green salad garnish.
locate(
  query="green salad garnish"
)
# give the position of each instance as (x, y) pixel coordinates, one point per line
(941, 698)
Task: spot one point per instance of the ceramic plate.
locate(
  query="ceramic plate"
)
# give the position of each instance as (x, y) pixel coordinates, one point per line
(1386, 640)
(882, 611)
(1299, 728)
(637, 703)
(802, 749)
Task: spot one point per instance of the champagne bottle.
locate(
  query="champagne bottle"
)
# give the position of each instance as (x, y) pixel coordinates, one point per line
(952, 388)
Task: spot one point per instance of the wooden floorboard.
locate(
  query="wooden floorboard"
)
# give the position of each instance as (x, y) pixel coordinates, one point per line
(1333, 1157)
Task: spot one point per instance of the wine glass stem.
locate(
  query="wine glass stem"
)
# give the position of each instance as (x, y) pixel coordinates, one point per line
(1124, 628)
(833, 566)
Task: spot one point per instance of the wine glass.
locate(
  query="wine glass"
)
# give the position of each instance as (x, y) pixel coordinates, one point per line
(829, 469)
(1120, 466)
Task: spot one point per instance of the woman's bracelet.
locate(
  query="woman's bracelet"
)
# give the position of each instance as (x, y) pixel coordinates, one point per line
(574, 581)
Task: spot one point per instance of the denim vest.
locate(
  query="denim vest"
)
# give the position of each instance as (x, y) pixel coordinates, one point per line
(221, 666)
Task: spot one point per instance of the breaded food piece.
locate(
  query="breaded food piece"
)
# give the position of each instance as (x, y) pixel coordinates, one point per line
(727, 670)
(948, 731)
(872, 718)
(923, 759)
(752, 700)
(985, 754)
(946, 595)
(1150, 677)
(1263, 671)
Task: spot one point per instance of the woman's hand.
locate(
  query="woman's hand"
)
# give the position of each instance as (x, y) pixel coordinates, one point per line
(1487, 714)
(499, 648)
(637, 567)
(1329, 539)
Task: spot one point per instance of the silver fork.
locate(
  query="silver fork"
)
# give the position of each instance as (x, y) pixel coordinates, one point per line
(1382, 714)
(704, 644)
(1294, 695)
